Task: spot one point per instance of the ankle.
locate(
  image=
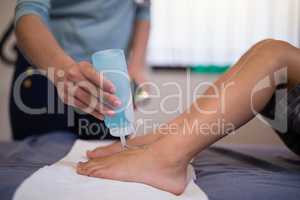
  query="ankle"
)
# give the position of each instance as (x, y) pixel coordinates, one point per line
(182, 148)
(168, 155)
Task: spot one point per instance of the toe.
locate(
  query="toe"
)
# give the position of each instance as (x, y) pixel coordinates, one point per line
(82, 167)
(90, 154)
(79, 168)
(102, 151)
(89, 171)
(98, 173)
(95, 153)
(105, 173)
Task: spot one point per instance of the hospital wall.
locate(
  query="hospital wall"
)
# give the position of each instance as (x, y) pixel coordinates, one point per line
(217, 32)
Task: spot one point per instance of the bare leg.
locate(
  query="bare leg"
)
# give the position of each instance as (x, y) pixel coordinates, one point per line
(164, 163)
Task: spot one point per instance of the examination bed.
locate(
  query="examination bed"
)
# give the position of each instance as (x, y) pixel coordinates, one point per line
(224, 172)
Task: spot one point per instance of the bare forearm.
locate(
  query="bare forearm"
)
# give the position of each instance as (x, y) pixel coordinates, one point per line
(39, 45)
(139, 43)
(42, 50)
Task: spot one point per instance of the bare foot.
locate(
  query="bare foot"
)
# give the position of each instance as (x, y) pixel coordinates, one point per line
(145, 165)
(117, 147)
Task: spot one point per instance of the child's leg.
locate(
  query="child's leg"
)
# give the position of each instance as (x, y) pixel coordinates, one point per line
(235, 107)
(164, 163)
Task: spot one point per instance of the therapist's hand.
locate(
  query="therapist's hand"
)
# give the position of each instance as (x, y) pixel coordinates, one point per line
(81, 86)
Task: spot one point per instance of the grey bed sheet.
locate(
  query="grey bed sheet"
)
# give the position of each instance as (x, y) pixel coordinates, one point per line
(224, 172)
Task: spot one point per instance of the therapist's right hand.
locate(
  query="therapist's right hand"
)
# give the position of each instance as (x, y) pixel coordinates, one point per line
(81, 86)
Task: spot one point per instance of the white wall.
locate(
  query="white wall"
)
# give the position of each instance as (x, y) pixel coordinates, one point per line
(217, 31)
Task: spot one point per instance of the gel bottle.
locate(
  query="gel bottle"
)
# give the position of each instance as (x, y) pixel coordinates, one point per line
(112, 64)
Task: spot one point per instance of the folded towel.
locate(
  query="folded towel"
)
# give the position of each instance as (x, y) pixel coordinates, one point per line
(61, 182)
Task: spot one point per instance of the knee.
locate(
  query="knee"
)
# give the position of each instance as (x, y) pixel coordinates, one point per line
(273, 44)
(274, 49)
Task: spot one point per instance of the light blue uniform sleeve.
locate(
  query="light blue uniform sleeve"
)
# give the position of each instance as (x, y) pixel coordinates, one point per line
(143, 12)
(36, 7)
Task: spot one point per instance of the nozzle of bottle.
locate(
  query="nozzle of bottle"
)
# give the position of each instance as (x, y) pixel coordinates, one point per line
(123, 142)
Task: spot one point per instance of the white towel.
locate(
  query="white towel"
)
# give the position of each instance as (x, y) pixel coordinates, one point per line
(61, 182)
